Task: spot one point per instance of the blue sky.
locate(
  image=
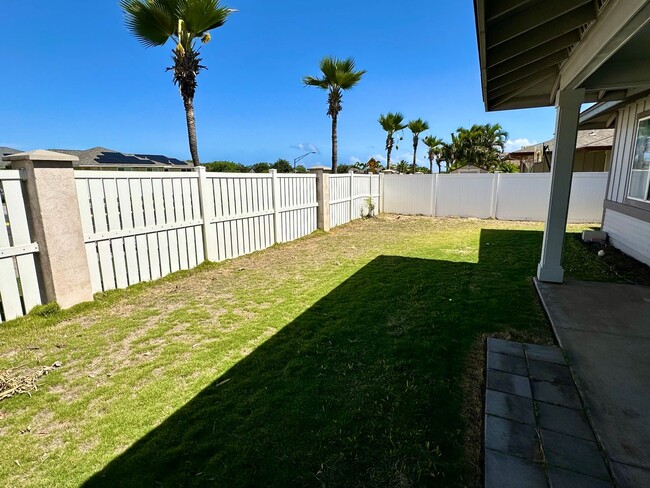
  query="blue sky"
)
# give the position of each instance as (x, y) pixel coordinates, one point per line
(75, 78)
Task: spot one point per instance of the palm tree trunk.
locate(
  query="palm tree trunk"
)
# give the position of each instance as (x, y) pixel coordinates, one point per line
(439, 167)
(415, 150)
(335, 152)
(430, 166)
(389, 150)
(191, 129)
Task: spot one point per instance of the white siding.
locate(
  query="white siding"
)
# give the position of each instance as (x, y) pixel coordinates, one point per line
(630, 235)
(624, 139)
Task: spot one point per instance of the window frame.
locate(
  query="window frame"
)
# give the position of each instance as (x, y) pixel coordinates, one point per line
(632, 201)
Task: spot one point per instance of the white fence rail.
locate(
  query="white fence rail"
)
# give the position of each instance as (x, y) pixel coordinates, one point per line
(348, 197)
(500, 196)
(19, 287)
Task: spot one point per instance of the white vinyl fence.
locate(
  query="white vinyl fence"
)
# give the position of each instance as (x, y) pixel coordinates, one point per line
(139, 226)
(19, 290)
(142, 226)
(346, 205)
(250, 212)
(500, 196)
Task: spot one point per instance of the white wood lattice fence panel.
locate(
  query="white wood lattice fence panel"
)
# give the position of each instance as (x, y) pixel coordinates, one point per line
(139, 226)
(19, 287)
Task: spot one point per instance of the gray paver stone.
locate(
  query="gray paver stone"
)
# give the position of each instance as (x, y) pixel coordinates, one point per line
(505, 347)
(573, 453)
(556, 393)
(549, 354)
(554, 373)
(503, 471)
(512, 438)
(630, 476)
(509, 407)
(508, 383)
(562, 478)
(564, 420)
(509, 364)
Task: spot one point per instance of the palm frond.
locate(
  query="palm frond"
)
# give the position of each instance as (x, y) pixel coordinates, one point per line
(201, 16)
(317, 82)
(152, 22)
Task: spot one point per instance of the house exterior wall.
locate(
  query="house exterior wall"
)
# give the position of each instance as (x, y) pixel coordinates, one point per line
(584, 162)
(626, 221)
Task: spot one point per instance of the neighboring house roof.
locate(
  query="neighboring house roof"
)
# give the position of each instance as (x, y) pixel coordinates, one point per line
(100, 157)
(588, 140)
(6, 151)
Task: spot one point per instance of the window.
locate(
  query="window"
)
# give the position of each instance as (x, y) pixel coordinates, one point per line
(640, 175)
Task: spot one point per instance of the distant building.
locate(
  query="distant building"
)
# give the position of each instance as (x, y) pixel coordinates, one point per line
(101, 158)
(593, 153)
(6, 151)
(468, 168)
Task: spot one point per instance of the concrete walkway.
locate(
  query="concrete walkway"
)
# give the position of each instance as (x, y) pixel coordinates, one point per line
(536, 431)
(604, 330)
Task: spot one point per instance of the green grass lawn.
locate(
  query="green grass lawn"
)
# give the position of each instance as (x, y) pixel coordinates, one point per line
(345, 359)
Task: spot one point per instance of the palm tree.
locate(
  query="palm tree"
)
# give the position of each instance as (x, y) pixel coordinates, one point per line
(338, 75)
(154, 22)
(434, 146)
(391, 123)
(417, 126)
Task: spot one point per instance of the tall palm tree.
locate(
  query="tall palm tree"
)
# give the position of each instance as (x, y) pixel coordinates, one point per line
(417, 126)
(434, 146)
(391, 123)
(338, 75)
(154, 22)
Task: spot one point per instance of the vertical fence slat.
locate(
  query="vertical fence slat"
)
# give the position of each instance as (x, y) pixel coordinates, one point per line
(126, 214)
(114, 224)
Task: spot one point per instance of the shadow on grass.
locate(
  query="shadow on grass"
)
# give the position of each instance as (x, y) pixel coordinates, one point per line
(361, 389)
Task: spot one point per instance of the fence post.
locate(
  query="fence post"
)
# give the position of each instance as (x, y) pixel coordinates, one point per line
(495, 195)
(323, 197)
(275, 190)
(206, 197)
(380, 197)
(53, 211)
(351, 195)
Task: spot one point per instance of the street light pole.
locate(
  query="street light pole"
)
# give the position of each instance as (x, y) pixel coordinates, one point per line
(295, 160)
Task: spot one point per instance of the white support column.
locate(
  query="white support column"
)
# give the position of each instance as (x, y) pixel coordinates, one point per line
(275, 189)
(206, 196)
(566, 131)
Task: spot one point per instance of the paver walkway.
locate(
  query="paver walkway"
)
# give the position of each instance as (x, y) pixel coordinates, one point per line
(536, 432)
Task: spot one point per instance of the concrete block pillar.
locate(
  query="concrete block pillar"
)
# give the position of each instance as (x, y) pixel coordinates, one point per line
(566, 132)
(55, 221)
(323, 197)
